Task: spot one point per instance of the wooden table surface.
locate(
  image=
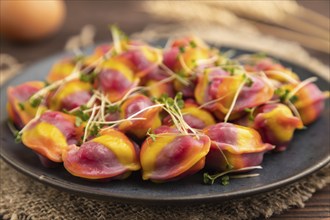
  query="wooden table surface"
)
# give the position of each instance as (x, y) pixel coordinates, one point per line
(130, 18)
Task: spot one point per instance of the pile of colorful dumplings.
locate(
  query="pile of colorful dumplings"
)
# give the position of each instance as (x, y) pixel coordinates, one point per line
(165, 112)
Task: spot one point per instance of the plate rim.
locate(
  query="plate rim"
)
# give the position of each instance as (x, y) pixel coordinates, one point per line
(79, 189)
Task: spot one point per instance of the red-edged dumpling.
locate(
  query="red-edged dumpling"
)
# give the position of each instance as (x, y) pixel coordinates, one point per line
(116, 78)
(132, 106)
(256, 91)
(234, 147)
(61, 70)
(275, 123)
(19, 108)
(51, 133)
(171, 155)
(309, 101)
(272, 69)
(70, 95)
(109, 156)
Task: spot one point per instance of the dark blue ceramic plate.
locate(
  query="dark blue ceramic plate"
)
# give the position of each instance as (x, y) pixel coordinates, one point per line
(308, 152)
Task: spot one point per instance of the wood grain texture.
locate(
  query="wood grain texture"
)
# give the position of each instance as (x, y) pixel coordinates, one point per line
(318, 207)
(128, 16)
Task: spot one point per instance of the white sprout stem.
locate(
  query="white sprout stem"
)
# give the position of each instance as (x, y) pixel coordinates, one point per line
(300, 86)
(28, 124)
(293, 109)
(97, 117)
(244, 176)
(88, 123)
(171, 134)
(215, 100)
(175, 120)
(116, 39)
(118, 121)
(45, 90)
(234, 100)
(223, 154)
(168, 43)
(239, 170)
(102, 106)
(97, 62)
(128, 94)
(183, 122)
(284, 75)
(91, 101)
(163, 81)
(207, 61)
(273, 101)
(170, 72)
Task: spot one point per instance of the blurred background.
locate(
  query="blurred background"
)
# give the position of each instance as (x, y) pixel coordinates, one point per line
(33, 29)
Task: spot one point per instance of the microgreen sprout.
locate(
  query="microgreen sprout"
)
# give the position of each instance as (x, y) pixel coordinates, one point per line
(88, 77)
(181, 49)
(172, 107)
(177, 76)
(251, 113)
(210, 179)
(192, 44)
(117, 37)
(78, 121)
(35, 102)
(151, 135)
(14, 131)
(300, 86)
(284, 75)
(21, 106)
(245, 79)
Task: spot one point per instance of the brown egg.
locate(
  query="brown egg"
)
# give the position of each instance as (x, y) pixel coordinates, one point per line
(28, 20)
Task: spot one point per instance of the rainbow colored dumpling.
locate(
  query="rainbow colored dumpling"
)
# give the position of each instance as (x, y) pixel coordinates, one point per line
(309, 101)
(171, 155)
(111, 155)
(71, 95)
(131, 107)
(234, 147)
(19, 107)
(49, 134)
(274, 122)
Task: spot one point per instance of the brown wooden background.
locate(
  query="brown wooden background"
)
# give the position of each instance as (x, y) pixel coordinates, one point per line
(128, 16)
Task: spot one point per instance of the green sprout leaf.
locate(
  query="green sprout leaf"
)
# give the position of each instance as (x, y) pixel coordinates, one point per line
(225, 180)
(182, 49)
(35, 102)
(112, 109)
(151, 135)
(249, 82)
(192, 44)
(80, 114)
(95, 130)
(208, 179)
(78, 121)
(250, 111)
(18, 137)
(21, 106)
(283, 95)
(294, 99)
(88, 77)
